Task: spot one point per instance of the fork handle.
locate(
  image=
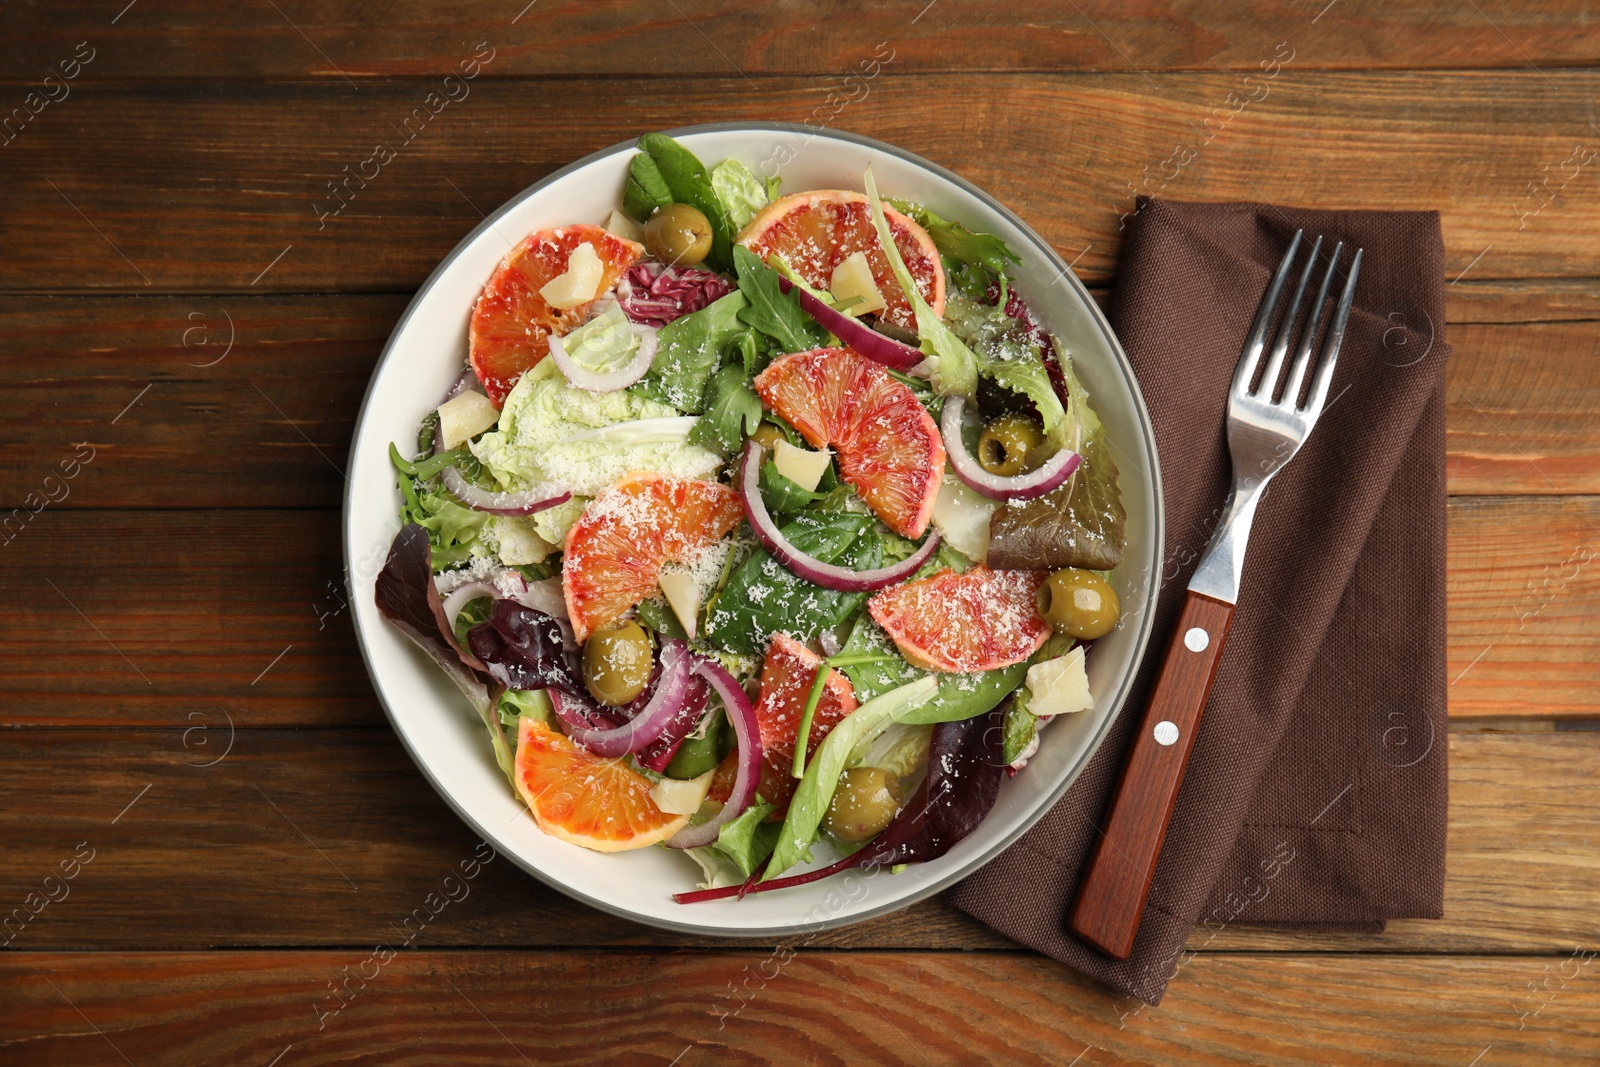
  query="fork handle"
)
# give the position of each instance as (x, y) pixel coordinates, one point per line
(1113, 892)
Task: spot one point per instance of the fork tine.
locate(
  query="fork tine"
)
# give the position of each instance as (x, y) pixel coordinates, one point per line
(1302, 356)
(1280, 348)
(1330, 348)
(1250, 358)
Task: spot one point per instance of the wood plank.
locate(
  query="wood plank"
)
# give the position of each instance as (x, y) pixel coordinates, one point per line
(814, 1007)
(266, 421)
(251, 176)
(269, 834)
(195, 40)
(181, 612)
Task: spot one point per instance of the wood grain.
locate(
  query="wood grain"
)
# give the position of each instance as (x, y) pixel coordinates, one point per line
(192, 39)
(255, 850)
(245, 185)
(266, 420)
(124, 618)
(816, 1007)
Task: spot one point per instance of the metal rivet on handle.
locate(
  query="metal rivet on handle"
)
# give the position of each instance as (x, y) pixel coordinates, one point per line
(1196, 639)
(1166, 732)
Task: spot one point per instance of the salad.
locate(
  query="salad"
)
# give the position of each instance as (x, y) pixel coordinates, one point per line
(759, 521)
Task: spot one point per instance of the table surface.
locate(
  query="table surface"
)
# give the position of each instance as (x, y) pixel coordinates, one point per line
(207, 822)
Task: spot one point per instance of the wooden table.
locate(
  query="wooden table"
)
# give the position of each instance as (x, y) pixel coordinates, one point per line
(188, 329)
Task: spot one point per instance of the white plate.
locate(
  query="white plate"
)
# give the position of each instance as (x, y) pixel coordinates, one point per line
(446, 738)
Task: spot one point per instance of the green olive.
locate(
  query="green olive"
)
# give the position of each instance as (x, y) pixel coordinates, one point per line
(866, 799)
(1003, 449)
(617, 661)
(678, 234)
(767, 436)
(1080, 603)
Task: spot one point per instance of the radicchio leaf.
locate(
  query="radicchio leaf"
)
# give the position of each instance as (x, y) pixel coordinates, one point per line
(521, 648)
(407, 596)
(965, 762)
(654, 294)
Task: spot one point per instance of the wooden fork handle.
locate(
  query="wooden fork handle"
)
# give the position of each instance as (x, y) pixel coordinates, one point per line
(1116, 885)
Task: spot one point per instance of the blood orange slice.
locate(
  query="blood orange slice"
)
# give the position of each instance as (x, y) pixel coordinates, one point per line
(512, 323)
(615, 550)
(602, 804)
(786, 679)
(888, 446)
(815, 231)
(977, 621)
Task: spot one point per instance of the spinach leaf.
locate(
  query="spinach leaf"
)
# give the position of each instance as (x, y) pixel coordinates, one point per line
(772, 311)
(689, 183)
(732, 412)
(763, 596)
(1081, 524)
(646, 189)
(689, 350)
(783, 496)
(658, 616)
(1021, 727)
(960, 696)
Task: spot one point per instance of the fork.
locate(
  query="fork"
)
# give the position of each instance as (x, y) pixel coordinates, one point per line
(1265, 430)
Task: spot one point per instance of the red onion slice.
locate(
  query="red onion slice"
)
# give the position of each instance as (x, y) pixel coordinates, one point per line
(827, 575)
(659, 752)
(607, 381)
(524, 503)
(855, 333)
(1055, 471)
(748, 732)
(653, 718)
(464, 595)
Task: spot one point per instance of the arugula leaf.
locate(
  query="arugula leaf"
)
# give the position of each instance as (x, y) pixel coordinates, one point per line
(955, 368)
(987, 254)
(772, 311)
(740, 192)
(689, 183)
(749, 839)
(689, 350)
(646, 189)
(763, 596)
(1021, 727)
(733, 411)
(959, 696)
(1081, 524)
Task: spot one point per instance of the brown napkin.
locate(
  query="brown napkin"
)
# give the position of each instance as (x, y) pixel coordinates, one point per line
(1315, 796)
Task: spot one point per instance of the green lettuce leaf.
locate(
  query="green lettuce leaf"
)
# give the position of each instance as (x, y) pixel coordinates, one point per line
(554, 434)
(748, 839)
(959, 696)
(1081, 524)
(986, 256)
(811, 797)
(740, 192)
(954, 369)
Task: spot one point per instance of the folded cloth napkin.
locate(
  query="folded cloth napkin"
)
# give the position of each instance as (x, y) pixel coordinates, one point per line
(1315, 795)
